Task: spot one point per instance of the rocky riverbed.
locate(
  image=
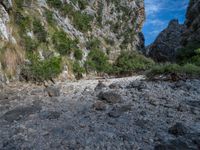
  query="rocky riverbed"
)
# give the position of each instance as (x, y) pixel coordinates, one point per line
(114, 114)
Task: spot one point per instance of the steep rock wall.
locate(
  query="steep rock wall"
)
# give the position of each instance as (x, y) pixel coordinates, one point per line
(115, 24)
(165, 46)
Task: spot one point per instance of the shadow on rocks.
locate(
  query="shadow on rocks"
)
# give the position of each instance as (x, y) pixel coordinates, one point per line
(110, 97)
(20, 113)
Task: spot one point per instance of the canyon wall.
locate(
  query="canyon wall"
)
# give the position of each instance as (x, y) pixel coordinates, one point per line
(29, 25)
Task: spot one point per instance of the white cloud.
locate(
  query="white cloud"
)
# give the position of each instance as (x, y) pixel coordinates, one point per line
(156, 22)
(159, 13)
(152, 7)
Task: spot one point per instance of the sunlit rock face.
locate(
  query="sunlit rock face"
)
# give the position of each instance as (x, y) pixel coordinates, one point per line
(4, 19)
(115, 24)
(121, 21)
(165, 46)
(192, 22)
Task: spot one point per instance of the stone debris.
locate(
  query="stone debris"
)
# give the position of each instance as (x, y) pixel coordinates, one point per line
(138, 114)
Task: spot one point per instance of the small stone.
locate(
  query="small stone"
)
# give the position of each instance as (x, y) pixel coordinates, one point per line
(36, 92)
(3, 96)
(125, 108)
(114, 113)
(182, 108)
(99, 106)
(115, 86)
(100, 86)
(153, 102)
(178, 129)
(53, 91)
(49, 115)
(139, 85)
(118, 111)
(110, 97)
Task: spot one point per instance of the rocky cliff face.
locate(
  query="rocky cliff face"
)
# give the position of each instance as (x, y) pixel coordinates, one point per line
(192, 34)
(113, 25)
(164, 47)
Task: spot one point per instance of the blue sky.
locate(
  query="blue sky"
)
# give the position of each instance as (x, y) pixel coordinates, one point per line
(158, 15)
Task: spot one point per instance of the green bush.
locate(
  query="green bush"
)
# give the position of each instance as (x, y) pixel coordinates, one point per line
(187, 69)
(23, 22)
(19, 4)
(39, 31)
(41, 70)
(195, 60)
(78, 70)
(55, 3)
(29, 43)
(93, 44)
(67, 9)
(78, 54)
(129, 62)
(82, 21)
(189, 54)
(49, 17)
(62, 43)
(97, 61)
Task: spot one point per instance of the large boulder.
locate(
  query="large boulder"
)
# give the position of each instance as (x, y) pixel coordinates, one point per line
(110, 97)
(164, 47)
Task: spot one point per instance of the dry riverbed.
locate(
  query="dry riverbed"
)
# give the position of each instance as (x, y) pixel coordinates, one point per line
(115, 114)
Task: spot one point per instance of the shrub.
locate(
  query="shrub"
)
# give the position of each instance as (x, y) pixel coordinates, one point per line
(78, 54)
(41, 70)
(62, 43)
(67, 9)
(29, 44)
(54, 3)
(195, 60)
(100, 13)
(97, 61)
(187, 69)
(129, 62)
(23, 22)
(163, 68)
(82, 4)
(49, 17)
(82, 21)
(39, 31)
(19, 4)
(78, 70)
(93, 44)
(189, 54)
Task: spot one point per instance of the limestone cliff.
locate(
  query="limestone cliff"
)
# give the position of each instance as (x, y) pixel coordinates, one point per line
(32, 25)
(165, 46)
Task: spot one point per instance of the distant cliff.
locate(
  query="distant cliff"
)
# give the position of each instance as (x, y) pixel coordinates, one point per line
(165, 46)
